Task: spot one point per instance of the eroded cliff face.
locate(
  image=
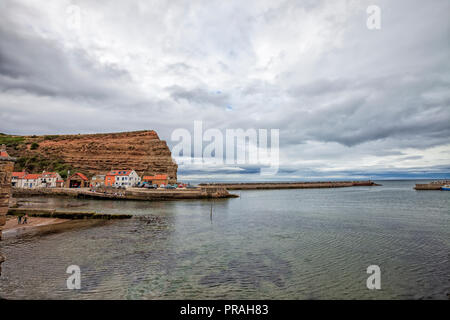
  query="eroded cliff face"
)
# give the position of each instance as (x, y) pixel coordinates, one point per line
(142, 151)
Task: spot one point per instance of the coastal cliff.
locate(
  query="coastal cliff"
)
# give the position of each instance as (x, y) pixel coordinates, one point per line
(142, 151)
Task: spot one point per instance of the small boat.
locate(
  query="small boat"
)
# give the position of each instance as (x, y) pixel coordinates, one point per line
(446, 187)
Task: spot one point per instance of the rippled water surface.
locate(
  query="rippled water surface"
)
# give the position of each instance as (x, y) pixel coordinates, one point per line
(277, 244)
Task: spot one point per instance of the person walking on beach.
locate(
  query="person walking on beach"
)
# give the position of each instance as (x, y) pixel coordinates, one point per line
(25, 218)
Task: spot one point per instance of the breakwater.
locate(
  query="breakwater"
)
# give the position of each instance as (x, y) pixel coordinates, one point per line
(291, 185)
(435, 185)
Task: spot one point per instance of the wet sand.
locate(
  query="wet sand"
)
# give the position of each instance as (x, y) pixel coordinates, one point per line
(11, 223)
(39, 225)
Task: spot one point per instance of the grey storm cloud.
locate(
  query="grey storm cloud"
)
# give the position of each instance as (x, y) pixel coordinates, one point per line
(199, 96)
(367, 112)
(44, 67)
(345, 98)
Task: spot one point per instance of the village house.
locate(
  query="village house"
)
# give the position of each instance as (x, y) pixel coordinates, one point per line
(31, 181)
(159, 179)
(17, 179)
(98, 180)
(3, 153)
(124, 178)
(35, 180)
(50, 180)
(77, 180)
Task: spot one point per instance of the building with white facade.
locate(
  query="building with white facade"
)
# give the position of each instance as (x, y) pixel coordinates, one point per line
(123, 178)
(49, 179)
(17, 179)
(30, 181)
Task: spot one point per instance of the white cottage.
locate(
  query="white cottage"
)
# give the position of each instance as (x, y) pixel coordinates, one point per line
(17, 179)
(50, 179)
(31, 181)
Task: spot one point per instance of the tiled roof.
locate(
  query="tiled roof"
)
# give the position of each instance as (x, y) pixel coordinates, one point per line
(19, 175)
(49, 174)
(82, 176)
(4, 154)
(156, 177)
(32, 176)
(120, 173)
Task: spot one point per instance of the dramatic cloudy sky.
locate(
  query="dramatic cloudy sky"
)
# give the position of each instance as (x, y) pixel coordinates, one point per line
(348, 101)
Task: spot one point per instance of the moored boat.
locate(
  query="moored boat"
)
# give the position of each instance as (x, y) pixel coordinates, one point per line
(446, 187)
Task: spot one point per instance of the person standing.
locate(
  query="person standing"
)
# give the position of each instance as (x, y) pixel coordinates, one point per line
(25, 218)
(19, 219)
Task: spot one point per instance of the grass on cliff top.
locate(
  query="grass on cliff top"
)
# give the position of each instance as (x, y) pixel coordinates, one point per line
(11, 141)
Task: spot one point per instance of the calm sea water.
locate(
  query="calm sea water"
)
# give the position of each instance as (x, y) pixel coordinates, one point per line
(276, 244)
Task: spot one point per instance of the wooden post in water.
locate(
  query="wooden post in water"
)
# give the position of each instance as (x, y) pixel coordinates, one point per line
(210, 214)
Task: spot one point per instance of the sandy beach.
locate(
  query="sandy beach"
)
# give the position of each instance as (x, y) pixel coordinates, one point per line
(40, 225)
(11, 223)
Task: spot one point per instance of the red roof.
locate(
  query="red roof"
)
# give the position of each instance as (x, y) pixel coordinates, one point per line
(32, 176)
(4, 154)
(50, 174)
(156, 177)
(19, 175)
(82, 176)
(119, 173)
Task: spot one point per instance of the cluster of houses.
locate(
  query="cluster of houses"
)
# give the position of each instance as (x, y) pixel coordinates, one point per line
(34, 180)
(114, 178)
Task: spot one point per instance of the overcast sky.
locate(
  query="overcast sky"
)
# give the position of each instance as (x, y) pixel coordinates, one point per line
(348, 101)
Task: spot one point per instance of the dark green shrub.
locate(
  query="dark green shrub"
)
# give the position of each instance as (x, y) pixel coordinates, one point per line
(34, 146)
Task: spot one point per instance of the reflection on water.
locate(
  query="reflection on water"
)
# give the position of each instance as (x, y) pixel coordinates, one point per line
(282, 244)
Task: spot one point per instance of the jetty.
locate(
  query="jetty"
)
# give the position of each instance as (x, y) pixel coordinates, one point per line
(291, 185)
(434, 185)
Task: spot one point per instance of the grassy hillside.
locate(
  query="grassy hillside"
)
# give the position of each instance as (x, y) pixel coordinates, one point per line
(29, 157)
